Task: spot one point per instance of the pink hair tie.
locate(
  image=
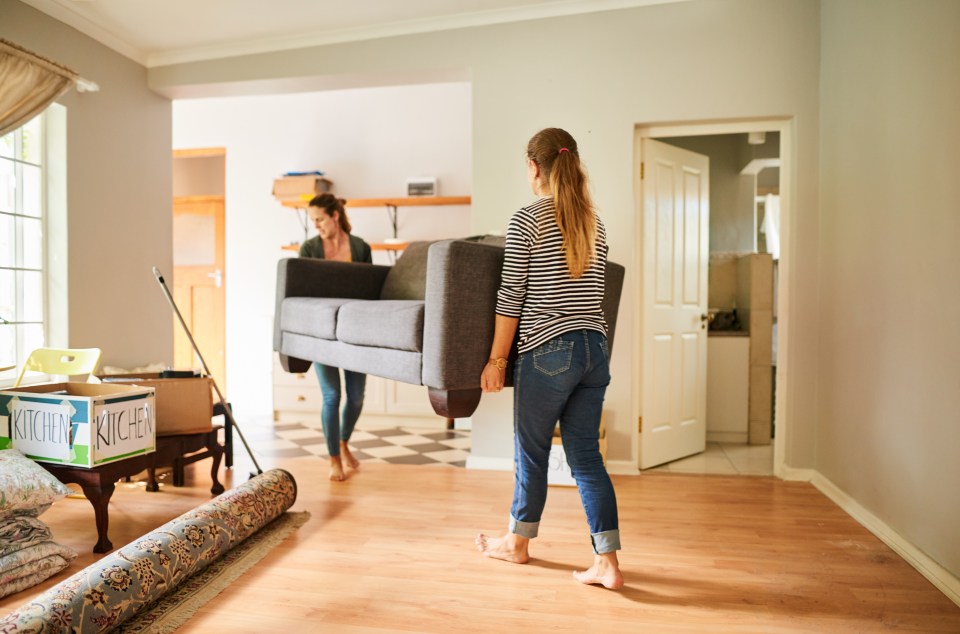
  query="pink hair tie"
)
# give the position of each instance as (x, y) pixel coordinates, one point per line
(562, 150)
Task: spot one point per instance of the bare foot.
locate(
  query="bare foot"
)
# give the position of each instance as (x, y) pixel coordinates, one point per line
(510, 547)
(336, 469)
(352, 462)
(605, 571)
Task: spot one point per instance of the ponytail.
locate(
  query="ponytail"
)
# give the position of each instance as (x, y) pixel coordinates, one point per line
(555, 151)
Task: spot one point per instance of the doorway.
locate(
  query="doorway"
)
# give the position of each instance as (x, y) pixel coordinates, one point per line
(199, 284)
(753, 178)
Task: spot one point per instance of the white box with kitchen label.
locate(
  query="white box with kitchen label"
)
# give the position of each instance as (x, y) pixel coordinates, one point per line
(78, 424)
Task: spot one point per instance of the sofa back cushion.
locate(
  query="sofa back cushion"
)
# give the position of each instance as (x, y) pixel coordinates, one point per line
(408, 277)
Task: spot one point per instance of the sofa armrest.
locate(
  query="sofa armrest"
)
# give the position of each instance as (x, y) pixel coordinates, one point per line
(311, 277)
(459, 313)
(611, 298)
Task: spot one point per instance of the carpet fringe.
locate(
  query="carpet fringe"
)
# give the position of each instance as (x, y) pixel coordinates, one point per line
(165, 623)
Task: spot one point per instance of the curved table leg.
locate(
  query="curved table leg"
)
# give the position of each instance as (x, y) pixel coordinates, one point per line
(99, 497)
(152, 484)
(216, 453)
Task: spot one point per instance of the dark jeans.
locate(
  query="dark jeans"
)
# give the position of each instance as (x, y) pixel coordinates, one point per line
(336, 428)
(564, 380)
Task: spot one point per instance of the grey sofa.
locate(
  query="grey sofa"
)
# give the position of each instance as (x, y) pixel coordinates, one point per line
(427, 320)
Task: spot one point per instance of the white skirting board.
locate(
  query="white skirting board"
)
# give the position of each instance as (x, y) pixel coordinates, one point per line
(490, 464)
(615, 467)
(934, 572)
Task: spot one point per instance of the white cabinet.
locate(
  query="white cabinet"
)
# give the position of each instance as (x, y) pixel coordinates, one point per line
(297, 395)
(728, 388)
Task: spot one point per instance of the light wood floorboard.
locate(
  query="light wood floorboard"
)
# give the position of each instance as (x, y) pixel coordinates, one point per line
(391, 550)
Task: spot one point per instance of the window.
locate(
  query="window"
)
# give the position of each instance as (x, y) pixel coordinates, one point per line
(23, 306)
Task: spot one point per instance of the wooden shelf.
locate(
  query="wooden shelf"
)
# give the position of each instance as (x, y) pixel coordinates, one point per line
(410, 201)
(389, 246)
(391, 205)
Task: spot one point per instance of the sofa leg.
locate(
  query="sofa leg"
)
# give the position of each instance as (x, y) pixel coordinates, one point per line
(293, 364)
(454, 403)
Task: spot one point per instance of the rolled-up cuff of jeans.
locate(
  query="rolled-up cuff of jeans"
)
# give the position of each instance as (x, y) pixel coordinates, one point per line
(606, 542)
(524, 529)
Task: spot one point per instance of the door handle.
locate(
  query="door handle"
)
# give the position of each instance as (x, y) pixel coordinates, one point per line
(217, 277)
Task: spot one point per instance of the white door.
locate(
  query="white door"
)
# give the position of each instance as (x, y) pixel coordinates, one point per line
(676, 246)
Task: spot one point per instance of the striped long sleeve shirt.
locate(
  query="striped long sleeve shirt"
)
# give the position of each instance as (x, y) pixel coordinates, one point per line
(536, 285)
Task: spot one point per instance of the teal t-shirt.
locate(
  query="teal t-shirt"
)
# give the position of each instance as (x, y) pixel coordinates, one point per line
(359, 249)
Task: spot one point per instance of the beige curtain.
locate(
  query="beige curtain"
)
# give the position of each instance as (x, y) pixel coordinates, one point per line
(28, 84)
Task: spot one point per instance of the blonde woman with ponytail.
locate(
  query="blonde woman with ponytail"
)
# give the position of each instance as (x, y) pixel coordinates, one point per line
(550, 298)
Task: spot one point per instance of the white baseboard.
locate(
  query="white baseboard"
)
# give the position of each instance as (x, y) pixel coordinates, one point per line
(934, 572)
(490, 464)
(623, 467)
(616, 467)
(796, 475)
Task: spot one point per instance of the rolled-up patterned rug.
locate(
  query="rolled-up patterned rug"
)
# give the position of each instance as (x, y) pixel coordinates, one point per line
(106, 593)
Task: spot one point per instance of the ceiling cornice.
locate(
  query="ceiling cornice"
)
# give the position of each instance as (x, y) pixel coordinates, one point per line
(71, 18)
(63, 11)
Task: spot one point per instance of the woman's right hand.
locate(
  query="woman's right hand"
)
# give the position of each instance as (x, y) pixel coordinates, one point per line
(491, 379)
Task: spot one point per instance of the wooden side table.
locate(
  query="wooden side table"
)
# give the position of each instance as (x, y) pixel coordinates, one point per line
(183, 449)
(98, 484)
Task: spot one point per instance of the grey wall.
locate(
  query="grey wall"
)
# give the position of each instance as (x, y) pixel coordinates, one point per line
(888, 415)
(118, 193)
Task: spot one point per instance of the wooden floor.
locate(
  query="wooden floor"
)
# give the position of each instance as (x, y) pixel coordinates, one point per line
(392, 550)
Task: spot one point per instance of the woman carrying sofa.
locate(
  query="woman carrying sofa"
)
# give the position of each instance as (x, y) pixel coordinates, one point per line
(552, 289)
(335, 242)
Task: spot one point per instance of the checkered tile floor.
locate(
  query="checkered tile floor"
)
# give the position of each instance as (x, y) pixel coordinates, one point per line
(396, 445)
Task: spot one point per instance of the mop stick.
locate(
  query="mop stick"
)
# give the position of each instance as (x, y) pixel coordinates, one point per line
(206, 370)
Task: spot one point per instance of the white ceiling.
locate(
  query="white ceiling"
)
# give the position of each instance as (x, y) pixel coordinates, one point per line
(161, 32)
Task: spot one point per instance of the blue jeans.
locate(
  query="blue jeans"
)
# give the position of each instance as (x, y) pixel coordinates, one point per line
(336, 428)
(564, 380)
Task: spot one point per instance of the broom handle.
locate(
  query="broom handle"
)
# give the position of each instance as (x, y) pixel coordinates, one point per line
(206, 370)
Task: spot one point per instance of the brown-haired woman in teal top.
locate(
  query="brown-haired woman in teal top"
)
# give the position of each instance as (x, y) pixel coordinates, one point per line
(335, 242)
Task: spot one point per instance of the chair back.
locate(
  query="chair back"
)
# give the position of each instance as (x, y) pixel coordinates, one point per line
(65, 361)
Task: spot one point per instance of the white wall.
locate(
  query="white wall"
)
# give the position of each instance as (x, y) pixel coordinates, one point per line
(118, 194)
(599, 75)
(367, 141)
(888, 415)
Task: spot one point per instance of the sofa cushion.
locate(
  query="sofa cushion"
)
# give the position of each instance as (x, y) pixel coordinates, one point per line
(396, 324)
(314, 316)
(407, 278)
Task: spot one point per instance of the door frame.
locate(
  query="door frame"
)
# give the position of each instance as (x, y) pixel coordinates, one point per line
(783, 125)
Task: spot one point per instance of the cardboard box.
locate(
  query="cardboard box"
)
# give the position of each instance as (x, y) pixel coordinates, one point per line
(78, 424)
(184, 405)
(300, 188)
